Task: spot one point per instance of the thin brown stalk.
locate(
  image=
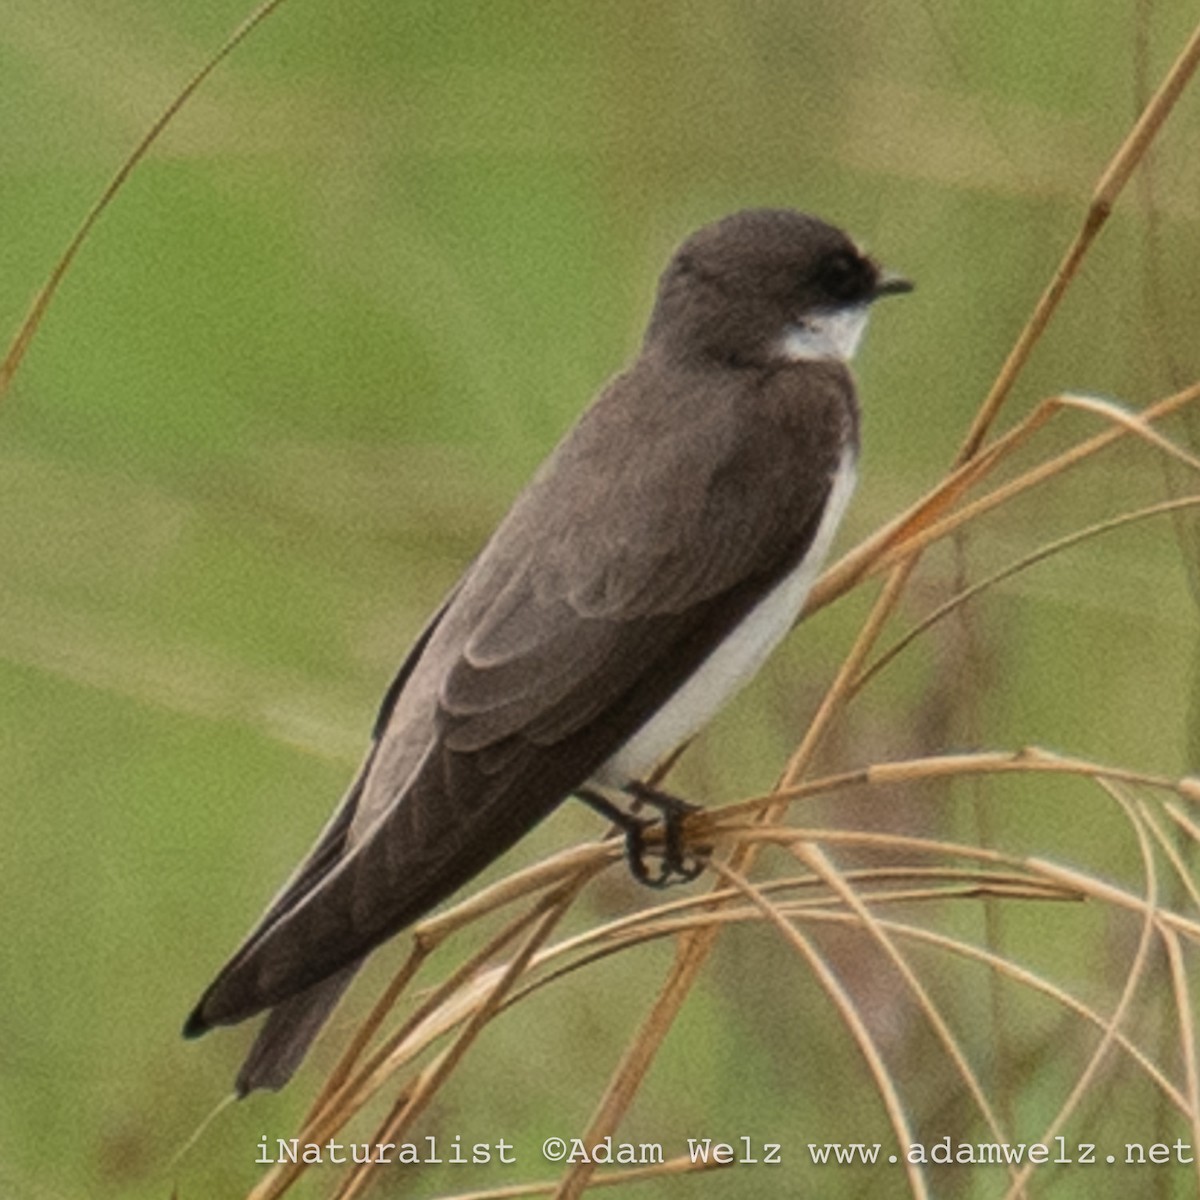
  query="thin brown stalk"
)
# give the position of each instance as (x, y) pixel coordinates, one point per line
(996, 963)
(429, 1082)
(1023, 563)
(367, 1029)
(1016, 974)
(41, 302)
(849, 1013)
(1183, 873)
(864, 559)
(1035, 476)
(349, 1098)
(1098, 890)
(1181, 819)
(1137, 974)
(811, 855)
(1187, 1035)
(1112, 182)
(1030, 759)
(835, 697)
(1134, 422)
(690, 955)
(550, 872)
(683, 1165)
(603, 941)
(652, 924)
(931, 518)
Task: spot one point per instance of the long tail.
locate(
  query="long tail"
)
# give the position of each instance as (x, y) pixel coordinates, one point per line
(289, 1030)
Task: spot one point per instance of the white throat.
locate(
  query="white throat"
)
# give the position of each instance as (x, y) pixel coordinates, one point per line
(826, 333)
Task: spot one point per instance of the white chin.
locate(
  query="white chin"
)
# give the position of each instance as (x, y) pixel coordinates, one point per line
(827, 333)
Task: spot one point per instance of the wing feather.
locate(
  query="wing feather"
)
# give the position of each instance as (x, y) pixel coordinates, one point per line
(653, 529)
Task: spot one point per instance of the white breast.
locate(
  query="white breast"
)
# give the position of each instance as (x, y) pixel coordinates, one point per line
(737, 659)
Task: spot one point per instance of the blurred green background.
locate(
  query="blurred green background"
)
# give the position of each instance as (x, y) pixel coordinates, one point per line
(367, 278)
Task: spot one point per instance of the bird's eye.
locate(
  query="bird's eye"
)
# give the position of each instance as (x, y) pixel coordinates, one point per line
(844, 275)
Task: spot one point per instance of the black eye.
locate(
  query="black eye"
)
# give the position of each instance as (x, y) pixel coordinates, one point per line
(845, 276)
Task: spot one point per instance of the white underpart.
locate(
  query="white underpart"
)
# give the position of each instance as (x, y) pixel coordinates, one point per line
(826, 333)
(737, 659)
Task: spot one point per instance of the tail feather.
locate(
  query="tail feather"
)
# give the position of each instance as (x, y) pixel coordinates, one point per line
(288, 1031)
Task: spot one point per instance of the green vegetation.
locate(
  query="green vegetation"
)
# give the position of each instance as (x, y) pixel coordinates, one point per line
(314, 348)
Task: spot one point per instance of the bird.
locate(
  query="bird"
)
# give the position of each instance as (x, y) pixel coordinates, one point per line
(644, 574)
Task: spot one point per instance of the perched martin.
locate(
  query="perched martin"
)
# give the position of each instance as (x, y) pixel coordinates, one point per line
(643, 576)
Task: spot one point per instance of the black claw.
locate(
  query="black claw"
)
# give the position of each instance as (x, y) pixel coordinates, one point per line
(635, 853)
(678, 866)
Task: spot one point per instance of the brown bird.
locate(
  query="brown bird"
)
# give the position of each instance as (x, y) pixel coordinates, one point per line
(643, 576)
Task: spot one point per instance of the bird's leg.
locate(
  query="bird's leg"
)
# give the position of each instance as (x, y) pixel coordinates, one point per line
(633, 828)
(674, 812)
(675, 869)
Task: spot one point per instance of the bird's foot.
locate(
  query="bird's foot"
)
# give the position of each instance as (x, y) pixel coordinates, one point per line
(678, 864)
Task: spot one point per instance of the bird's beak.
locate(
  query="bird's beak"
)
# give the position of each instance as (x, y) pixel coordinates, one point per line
(891, 283)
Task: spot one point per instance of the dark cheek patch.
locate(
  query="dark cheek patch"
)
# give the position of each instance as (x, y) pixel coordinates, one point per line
(847, 277)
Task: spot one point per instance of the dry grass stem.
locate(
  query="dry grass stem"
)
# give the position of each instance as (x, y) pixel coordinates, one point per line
(651, 924)
(366, 1031)
(1137, 975)
(41, 302)
(394, 1129)
(811, 855)
(849, 1013)
(1186, 1011)
(1029, 760)
(933, 518)
(1043, 473)
(1112, 183)
(1182, 872)
(683, 1165)
(550, 872)
(1013, 972)
(1184, 822)
(439, 1013)
(1050, 550)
